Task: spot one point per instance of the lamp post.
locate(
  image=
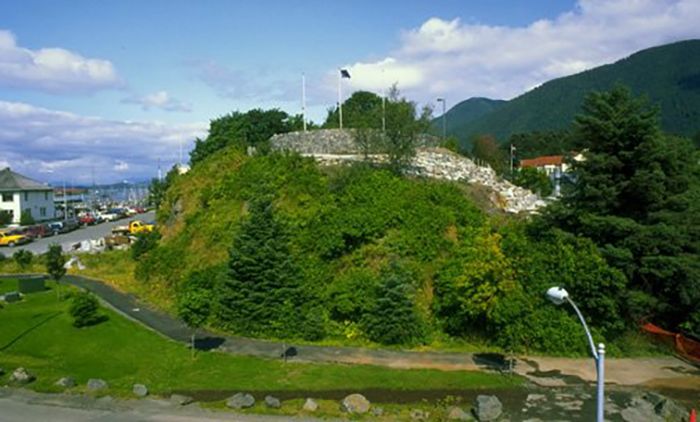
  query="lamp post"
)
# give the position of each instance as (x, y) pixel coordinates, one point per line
(559, 296)
(444, 117)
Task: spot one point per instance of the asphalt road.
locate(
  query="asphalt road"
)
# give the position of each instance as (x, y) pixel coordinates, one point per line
(67, 240)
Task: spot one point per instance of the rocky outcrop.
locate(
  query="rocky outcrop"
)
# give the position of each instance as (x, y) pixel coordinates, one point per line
(272, 402)
(66, 382)
(180, 400)
(96, 384)
(442, 164)
(240, 401)
(356, 403)
(139, 390)
(310, 405)
(487, 408)
(21, 376)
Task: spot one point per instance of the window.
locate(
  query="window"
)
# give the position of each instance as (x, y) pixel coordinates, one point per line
(46, 196)
(7, 197)
(26, 196)
(42, 211)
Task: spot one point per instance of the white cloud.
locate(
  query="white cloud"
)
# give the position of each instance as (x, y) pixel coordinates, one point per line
(55, 145)
(161, 100)
(458, 60)
(53, 70)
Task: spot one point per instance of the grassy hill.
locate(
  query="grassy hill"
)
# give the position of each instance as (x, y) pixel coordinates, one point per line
(669, 75)
(363, 242)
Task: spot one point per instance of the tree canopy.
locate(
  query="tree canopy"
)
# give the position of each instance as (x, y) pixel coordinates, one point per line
(252, 128)
(635, 196)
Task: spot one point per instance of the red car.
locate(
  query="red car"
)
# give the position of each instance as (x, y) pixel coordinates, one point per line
(88, 219)
(38, 231)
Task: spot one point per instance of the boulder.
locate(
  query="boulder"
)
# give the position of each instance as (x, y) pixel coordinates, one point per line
(12, 297)
(140, 390)
(670, 410)
(487, 408)
(419, 415)
(310, 405)
(240, 401)
(272, 402)
(66, 382)
(377, 411)
(180, 399)
(21, 376)
(455, 413)
(639, 409)
(96, 384)
(356, 403)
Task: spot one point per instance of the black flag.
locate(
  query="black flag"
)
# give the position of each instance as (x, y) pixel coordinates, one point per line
(344, 73)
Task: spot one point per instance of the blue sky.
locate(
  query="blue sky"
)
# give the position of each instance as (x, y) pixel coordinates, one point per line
(118, 85)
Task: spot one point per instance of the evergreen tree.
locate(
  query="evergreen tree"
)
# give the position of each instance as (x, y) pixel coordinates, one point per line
(55, 261)
(261, 293)
(393, 318)
(634, 197)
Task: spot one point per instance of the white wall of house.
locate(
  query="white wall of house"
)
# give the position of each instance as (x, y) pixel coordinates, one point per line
(38, 203)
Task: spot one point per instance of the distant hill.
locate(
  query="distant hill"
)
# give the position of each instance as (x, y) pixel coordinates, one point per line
(668, 75)
(466, 112)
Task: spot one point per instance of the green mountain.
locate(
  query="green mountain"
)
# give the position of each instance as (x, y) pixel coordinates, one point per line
(668, 75)
(466, 112)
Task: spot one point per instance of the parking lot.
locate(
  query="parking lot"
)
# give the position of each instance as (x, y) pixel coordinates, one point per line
(67, 240)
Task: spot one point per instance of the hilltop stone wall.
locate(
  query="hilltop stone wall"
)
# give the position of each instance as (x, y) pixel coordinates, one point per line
(329, 141)
(335, 146)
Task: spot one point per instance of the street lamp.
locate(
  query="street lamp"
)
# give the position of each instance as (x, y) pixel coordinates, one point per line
(444, 118)
(559, 296)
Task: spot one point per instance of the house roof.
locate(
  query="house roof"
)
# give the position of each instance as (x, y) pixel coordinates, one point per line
(13, 182)
(546, 160)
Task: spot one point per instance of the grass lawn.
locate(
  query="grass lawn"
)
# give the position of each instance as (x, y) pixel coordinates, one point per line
(37, 334)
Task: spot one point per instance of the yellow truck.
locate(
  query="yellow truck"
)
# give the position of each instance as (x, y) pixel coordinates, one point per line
(11, 239)
(133, 228)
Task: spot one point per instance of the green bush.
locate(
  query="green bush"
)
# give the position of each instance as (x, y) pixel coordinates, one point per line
(26, 218)
(84, 309)
(144, 243)
(393, 318)
(23, 258)
(5, 218)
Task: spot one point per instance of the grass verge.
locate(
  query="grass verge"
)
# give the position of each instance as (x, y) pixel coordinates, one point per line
(37, 334)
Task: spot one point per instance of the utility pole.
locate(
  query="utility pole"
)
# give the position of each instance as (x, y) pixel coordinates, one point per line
(512, 158)
(444, 118)
(65, 202)
(383, 103)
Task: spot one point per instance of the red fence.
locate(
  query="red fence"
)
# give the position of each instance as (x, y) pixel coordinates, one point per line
(688, 348)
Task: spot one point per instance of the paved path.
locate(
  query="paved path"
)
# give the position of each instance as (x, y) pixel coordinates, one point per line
(66, 240)
(546, 371)
(24, 405)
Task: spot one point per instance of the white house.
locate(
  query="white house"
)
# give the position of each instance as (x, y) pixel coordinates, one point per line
(21, 194)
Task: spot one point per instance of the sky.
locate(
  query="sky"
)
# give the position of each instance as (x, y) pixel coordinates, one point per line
(111, 89)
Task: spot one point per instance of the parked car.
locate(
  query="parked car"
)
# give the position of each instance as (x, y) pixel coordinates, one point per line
(9, 238)
(38, 231)
(64, 226)
(88, 219)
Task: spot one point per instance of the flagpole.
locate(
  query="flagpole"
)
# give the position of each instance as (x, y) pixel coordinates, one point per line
(303, 99)
(383, 102)
(340, 99)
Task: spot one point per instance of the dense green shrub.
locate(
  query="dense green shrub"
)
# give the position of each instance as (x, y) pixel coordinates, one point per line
(392, 318)
(84, 309)
(23, 258)
(55, 261)
(145, 242)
